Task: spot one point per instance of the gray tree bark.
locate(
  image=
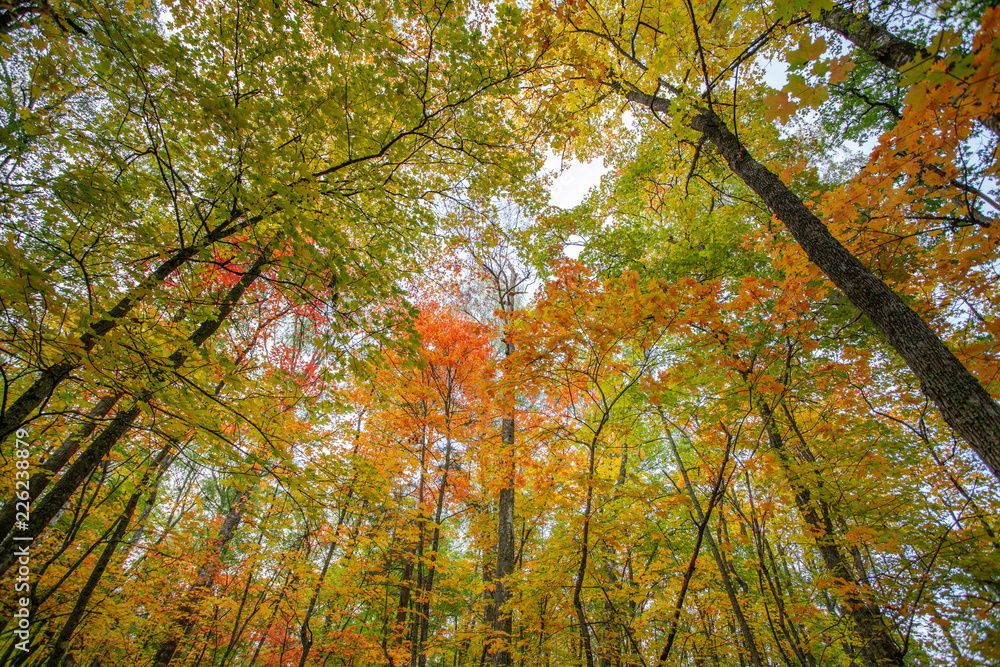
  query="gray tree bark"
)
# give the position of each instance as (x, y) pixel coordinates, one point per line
(886, 48)
(962, 401)
(878, 648)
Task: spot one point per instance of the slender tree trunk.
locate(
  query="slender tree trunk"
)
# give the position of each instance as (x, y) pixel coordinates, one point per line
(85, 463)
(581, 574)
(878, 648)
(717, 492)
(425, 607)
(62, 642)
(614, 645)
(52, 375)
(40, 480)
(204, 580)
(720, 563)
(405, 589)
(489, 609)
(305, 633)
(140, 523)
(414, 630)
(769, 573)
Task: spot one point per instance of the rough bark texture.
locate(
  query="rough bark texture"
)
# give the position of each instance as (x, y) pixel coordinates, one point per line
(505, 548)
(40, 390)
(878, 648)
(506, 556)
(963, 402)
(885, 47)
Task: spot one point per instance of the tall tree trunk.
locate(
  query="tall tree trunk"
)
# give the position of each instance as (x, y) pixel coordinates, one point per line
(40, 390)
(727, 583)
(769, 579)
(204, 580)
(85, 463)
(305, 633)
(40, 480)
(506, 554)
(581, 573)
(888, 49)
(405, 591)
(62, 642)
(878, 647)
(414, 631)
(963, 402)
(613, 646)
(717, 493)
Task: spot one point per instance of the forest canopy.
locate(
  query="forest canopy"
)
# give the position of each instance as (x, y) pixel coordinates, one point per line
(300, 366)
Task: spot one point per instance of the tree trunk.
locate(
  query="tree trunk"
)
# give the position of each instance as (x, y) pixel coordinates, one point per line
(40, 480)
(506, 554)
(878, 647)
(305, 633)
(720, 563)
(62, 642)
(204, 580)
(963, 402)
(86, 462)
(40, 390)
(886, 48)
(425, 607)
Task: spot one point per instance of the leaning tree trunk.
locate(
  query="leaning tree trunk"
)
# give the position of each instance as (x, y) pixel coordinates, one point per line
(963, 402)
(89, 459)
(878, 647)
(204, 580)
(40, 390)
(62, 642)
(886, 48)
(727, 582)
(38, 482)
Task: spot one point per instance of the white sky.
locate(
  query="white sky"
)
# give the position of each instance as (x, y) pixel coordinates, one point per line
(571, 186)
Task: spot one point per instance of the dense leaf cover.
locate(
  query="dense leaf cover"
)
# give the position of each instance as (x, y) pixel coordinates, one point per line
(297, 368)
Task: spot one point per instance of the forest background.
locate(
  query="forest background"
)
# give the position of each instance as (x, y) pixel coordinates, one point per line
(298, 369)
